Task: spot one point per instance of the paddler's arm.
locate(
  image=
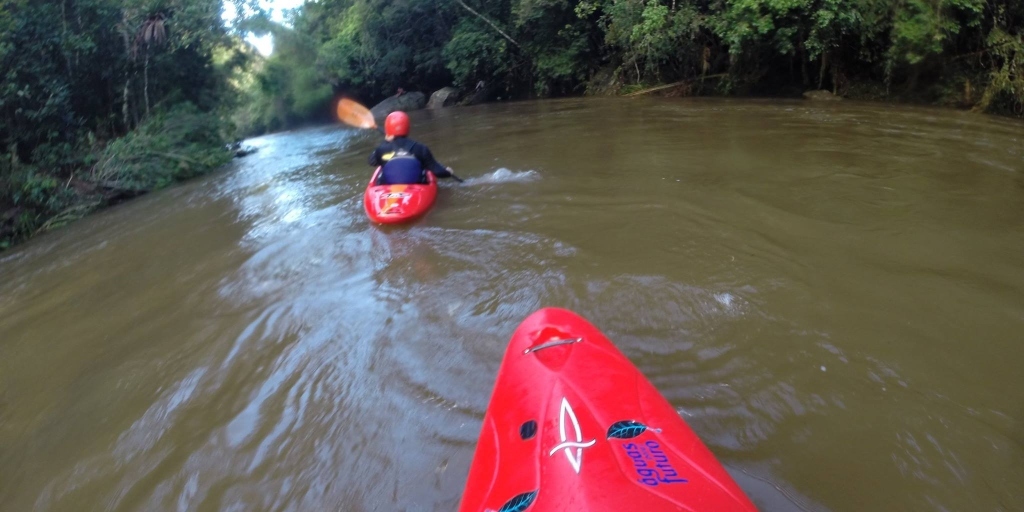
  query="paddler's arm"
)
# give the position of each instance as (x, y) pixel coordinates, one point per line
(375, 160)
(429, 162)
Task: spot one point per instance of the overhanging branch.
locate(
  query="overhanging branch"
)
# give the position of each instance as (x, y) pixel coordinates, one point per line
(489, 22)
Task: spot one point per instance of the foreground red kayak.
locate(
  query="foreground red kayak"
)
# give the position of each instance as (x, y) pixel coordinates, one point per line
(574, 426)
(390, 204)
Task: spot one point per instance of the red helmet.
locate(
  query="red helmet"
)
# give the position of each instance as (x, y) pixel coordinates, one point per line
(396, 124)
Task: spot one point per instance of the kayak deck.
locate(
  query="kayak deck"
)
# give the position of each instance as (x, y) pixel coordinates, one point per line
(573, 425)
(390, 204)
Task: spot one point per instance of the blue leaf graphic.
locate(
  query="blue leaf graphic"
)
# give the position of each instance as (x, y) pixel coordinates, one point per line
(519, 503)
(627, 429)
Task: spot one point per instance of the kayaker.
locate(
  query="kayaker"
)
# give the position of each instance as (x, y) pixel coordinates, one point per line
(404, 160)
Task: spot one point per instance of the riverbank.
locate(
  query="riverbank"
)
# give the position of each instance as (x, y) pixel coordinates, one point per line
(169, 147)
(102, 101)
(957, 93)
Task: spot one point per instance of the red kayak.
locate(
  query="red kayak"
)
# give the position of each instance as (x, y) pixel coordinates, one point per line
(389, 204)
(574, 426)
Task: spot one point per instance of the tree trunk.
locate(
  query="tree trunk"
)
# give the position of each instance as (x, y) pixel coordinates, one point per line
(127, 70)
(915, 72)
(64, 39)
(124, 103)
(801, 52)
(78, 17)
(835, 79)
(821, 73)
(145, 80)
(489, 22)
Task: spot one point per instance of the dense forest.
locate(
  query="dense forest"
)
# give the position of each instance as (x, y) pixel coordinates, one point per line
(965, 53)
(101, 100)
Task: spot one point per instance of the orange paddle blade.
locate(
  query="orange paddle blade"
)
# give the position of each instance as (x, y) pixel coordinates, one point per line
(352, 113)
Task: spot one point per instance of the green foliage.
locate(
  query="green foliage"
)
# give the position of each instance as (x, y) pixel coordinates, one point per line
(1005, 91)
(168, 147)
(922, 28)
(78, 76)
(367, 48)
(774, 23)
(39, 192)
(312, 96)
(560, 70)
(374, 46)
(348, 55)
(835, 22)
(473, 54)
(281, 90)
(652, 37)
(561, 44)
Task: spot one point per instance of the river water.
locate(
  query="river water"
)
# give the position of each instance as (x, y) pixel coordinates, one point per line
(831, 295)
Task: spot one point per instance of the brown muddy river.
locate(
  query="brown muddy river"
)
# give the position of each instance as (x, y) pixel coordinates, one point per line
(832, 296)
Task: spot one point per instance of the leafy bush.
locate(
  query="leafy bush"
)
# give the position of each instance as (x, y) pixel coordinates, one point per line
(474, 53)
(171, 146)
(1005, 91)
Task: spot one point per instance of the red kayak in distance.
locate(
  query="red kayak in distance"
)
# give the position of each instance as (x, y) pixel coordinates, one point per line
(390, 204)
(574, 426)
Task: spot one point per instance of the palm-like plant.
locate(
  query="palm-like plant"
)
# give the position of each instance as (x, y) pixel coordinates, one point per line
(153, 32)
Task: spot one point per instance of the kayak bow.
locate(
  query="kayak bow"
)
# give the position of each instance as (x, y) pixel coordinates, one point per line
(573, 425)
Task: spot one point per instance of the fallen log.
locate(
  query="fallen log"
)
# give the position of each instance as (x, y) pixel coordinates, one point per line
(676, 84)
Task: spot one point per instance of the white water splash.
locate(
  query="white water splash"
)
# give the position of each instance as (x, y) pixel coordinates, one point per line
(503, 175)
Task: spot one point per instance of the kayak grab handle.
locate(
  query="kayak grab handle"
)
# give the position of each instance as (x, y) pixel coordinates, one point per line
(552, 343)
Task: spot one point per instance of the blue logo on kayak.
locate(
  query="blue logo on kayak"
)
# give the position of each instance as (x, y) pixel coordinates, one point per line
(626, 429)
(652, 464)
(519, 503)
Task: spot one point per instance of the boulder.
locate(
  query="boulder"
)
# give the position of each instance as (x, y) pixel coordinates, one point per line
(239, 150)
(821, 95)
(443, 98)
(480, 95)
(406, 102)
